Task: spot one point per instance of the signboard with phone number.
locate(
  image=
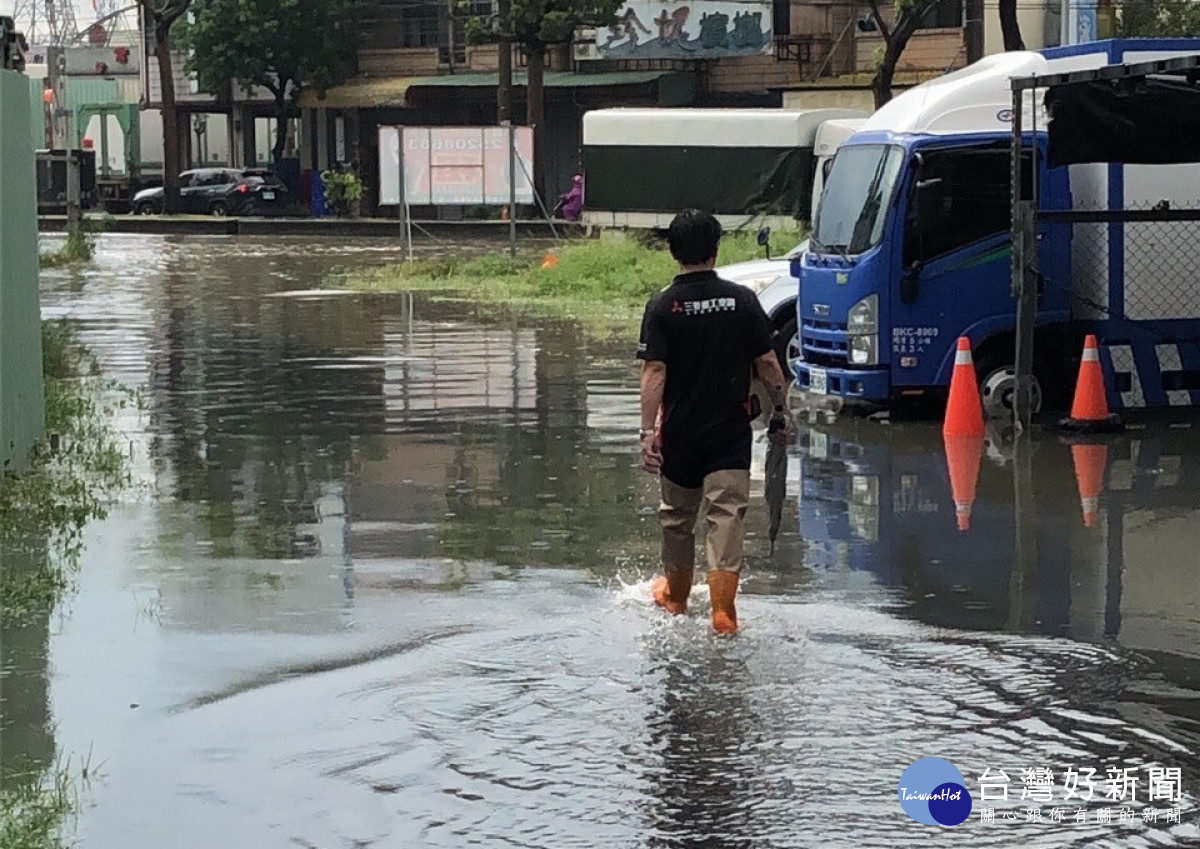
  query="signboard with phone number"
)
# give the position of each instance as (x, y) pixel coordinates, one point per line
(453, 165)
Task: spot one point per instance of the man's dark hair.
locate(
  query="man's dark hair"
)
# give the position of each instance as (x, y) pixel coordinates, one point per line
(694, 236)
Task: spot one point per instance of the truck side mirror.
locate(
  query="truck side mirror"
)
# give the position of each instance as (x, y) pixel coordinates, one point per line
(764, 240)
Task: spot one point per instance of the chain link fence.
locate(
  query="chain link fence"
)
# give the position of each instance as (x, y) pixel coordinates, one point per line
(1158, 274)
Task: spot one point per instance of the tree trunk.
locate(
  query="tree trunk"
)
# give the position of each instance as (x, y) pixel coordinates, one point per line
(281, 126)
(881, 83)
(1009, 26)
(897, 40)
(973, 30)
(170, 117)
(504, 90)
(536, 100)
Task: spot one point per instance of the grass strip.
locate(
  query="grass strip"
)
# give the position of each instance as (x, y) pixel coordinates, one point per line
(603, 282)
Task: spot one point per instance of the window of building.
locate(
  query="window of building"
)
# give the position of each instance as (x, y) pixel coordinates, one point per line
(945, 15)
(419, 24)
(781, 17)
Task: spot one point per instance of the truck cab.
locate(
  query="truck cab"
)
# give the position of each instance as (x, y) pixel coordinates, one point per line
(911, 244)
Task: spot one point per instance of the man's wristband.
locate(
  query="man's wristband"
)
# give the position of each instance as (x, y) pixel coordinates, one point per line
(646, 431)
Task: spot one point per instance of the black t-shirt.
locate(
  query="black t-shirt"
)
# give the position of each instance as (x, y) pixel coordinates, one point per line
(709, 332)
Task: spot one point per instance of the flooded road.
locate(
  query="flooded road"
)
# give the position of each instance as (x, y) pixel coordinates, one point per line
(382, 581)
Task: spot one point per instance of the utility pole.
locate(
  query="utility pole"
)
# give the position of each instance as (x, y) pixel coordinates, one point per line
(504, 90)
(71, 163)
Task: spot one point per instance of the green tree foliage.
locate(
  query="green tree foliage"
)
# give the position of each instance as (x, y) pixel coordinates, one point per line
(343, 191)
(535, 25)
(1159, 18)
(277, 45)
(541, 23)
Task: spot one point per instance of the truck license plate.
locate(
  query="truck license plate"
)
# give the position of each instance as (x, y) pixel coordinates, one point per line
(268, 196)
(818, 381)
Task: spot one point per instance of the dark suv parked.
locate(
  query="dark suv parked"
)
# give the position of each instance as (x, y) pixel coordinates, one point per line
(219, 191)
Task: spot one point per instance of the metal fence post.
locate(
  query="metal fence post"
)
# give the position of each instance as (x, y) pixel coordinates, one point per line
(1018, 250)
(512, 188)
(1024, 245)
(74, 201)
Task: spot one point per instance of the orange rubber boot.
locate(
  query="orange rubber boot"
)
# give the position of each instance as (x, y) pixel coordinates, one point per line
(722, 587)
(671, 591)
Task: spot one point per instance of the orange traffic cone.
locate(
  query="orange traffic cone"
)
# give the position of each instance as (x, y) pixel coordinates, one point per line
(550, 261)
(1089, 411)
(964, 454)
(964, 411)
(1090, 462)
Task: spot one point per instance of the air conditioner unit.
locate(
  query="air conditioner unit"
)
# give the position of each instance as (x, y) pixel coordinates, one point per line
(584, 47)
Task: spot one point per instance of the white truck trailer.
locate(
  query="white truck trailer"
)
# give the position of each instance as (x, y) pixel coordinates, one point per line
(747, 166)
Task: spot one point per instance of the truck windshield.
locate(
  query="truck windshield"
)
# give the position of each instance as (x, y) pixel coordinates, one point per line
(851, 215)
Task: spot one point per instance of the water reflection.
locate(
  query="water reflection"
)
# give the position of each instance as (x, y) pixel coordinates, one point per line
(706, 790)
(397, 548)
(877, 499)
(1126, 581)
(26, 724)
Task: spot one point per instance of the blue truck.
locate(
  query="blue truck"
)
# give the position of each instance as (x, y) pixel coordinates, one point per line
(911, 249)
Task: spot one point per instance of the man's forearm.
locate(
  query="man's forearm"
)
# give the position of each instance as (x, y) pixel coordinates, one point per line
(654, 379)
(771, 376)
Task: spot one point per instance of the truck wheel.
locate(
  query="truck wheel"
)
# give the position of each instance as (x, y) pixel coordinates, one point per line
(145, 208)
(787, 345)
(219, 209)
(998, 392)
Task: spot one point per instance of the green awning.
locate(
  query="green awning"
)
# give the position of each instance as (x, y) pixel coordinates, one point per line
(675, 87)
(553, 79)
(360, 93)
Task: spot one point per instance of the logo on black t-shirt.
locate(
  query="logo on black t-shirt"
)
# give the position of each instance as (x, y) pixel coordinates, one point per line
(706, 306)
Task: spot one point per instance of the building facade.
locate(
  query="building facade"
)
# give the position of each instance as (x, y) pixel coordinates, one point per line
(415, 67)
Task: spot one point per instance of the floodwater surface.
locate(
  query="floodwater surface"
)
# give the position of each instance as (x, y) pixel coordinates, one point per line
(382, 581)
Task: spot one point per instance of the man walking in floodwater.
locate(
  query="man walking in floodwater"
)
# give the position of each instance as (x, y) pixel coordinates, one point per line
(701, 339)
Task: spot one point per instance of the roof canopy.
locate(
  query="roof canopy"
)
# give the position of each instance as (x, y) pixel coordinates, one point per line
(381, 92)
(1138, 114)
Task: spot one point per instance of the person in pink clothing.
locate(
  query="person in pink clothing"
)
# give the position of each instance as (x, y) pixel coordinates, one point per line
(571, 203)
